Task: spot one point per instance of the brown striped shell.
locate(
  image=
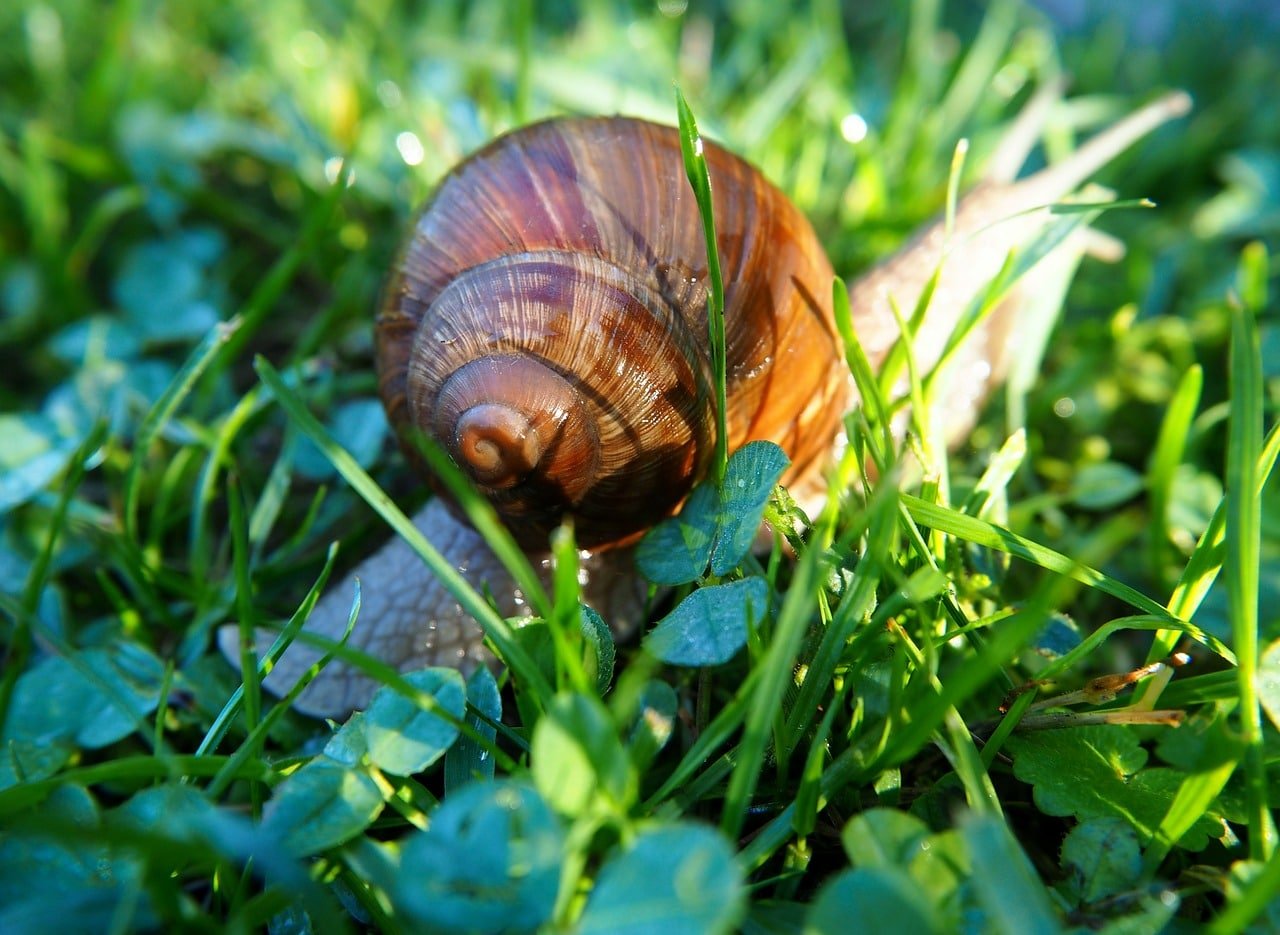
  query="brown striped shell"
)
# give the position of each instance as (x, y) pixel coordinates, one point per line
(547, 325)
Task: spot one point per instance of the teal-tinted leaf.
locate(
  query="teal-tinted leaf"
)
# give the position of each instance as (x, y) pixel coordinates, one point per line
(179, 812)
(677, 550)
(359, 426)
(95, 337)
(1059, 636)
(878, 893)
(404, 738)
(112, 391)
(577, 755)
(348, 745)
(710, 625)
(1105, 486)
(1096, 772)
(21, 289)
(161, 288)
(675, 879)
(467, 761)
(56, 700)
(1011, 894)
(178, 824)
(63, 875)
(23, 759)
(1269, 682)
(133, 676)
(601, 653)
(883, 837)
(655, 721)
(749, 479)
(33, 454)
(489, 862)
(716, 525)
(1103, 859)
(320, 806)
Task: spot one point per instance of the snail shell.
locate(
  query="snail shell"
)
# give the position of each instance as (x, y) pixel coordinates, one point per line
(577, 240)
(547, 325)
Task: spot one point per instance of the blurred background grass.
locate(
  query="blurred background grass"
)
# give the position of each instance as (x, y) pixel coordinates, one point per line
(158, 159)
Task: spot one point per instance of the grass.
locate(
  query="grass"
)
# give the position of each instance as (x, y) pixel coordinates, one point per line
(197, 206)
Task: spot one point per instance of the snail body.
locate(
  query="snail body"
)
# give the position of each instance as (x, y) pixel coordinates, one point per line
(546, 324)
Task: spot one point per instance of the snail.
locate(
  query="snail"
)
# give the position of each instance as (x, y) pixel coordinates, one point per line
(546, 325)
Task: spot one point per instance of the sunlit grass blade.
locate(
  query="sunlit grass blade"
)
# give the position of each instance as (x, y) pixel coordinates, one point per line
(1243, 534)
(222, 722)
(565, 622)
(495, 628)
(162, 411)
(1000, 470)
(1196, 793)
(274, 282)
(871, 399)
(775, 669)
(1171, 444)
(987, 534)
(854, 607)
(695, 164)
(484, 519)
(224, 434)
(127, 769)
(249, 678)
(257, 734)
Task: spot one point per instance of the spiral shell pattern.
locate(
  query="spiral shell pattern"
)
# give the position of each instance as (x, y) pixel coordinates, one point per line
(547, 326)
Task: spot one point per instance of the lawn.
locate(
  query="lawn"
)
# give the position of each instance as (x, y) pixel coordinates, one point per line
(1023, 676)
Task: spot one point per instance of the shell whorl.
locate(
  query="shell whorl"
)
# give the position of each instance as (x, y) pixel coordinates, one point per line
(547, 325)
(563, 388)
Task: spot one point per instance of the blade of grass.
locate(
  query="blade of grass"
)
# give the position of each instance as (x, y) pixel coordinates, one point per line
(257, 734)
(775, 668)
(495, 628)
(482, 517)
(872, 400)
(695, 166)
(992, 536)
(162, 411)
(318, 224)
(222, 723)
(1171, 444)
(1243, 540)
(247, 613)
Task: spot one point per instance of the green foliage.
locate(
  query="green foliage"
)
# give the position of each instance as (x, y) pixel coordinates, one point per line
(718, 522)
(507, 881)
(197, 204)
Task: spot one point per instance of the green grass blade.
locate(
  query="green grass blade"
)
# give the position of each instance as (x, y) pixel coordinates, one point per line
(1243, 534)
(775, 667)
(179, 388)
(695, 165)
(222, 723)
(992, 536)
(871, 399)
(1171, 444)
(495, 628)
